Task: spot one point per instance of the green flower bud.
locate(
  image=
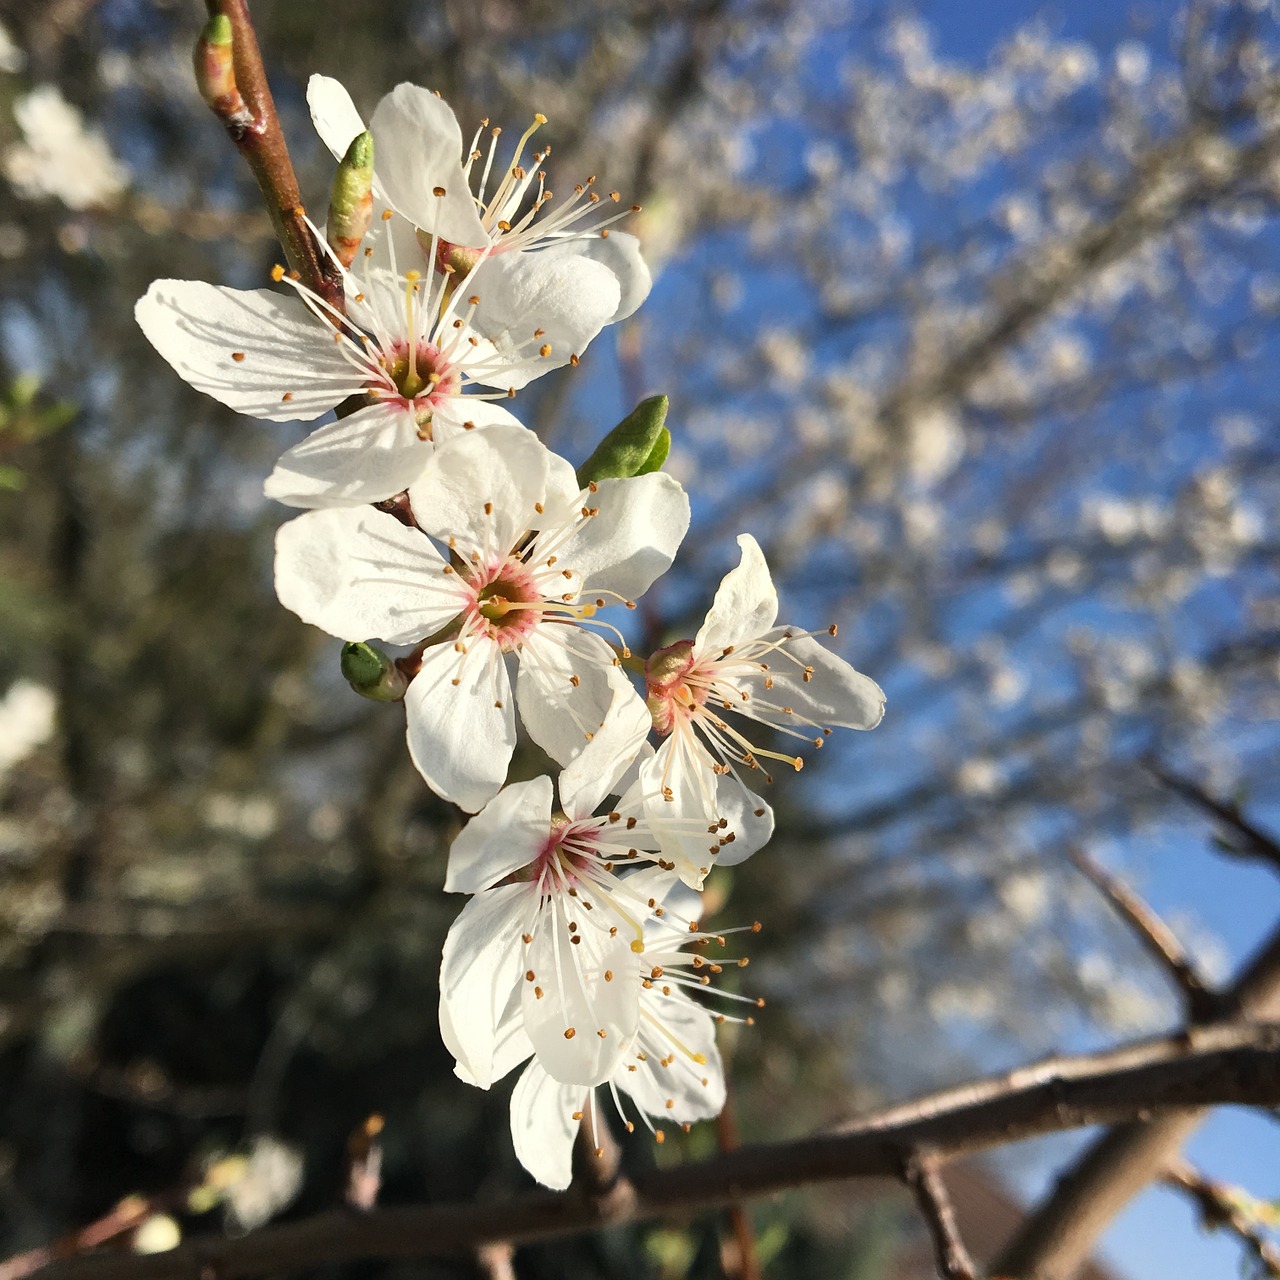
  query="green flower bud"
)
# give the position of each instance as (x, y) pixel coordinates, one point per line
(351, 200)
(637, 445)
(372, 674)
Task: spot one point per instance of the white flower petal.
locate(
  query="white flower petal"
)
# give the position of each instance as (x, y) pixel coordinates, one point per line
(542, 1125)
(334, 114)
(835, 695)
(619, 252)
(746, 604)
(680, 1083)
(634, 539)
(559, 715)
(597, 771)
(570, 298)
(479, 971)
(750, 820)
(511, 1044)
(466, 413)
(371, 455)
(587, 989)
(507, 834)
(199, 329)
(417, 149)
(503, 468)
(680, 788)
(359, 573)
(461, 735)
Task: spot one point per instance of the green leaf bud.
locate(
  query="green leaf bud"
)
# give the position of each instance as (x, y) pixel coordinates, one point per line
(351, 200)
(215, 68)
(372, 674)
(634, 447)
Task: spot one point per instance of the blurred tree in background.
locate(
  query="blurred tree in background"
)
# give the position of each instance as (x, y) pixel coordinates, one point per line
(982, 351)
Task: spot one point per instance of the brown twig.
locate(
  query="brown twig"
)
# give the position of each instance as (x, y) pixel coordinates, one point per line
(248, 114)
(922, 1174)
(1220, 1210)
(1224, 1063)
(1056, 1238)
(745, 1262)
(1255, 842)
(128, 1215)
(1202, 1003)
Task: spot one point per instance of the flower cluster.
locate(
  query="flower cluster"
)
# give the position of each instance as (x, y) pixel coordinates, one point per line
(435, 520)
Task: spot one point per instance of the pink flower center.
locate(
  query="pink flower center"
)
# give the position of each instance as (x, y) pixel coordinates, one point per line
(506, 605)
(423, 377)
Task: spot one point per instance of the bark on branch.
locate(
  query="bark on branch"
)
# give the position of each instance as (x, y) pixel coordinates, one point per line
(1170, 1076)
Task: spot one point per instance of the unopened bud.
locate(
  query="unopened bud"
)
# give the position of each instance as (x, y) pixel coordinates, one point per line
(351, 200)
(372, 674)
(637, 445)
(215, 69)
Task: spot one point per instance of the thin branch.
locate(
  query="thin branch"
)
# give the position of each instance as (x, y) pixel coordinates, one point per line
(1202, 1003)
(922, 1174)
(739, 1258)
(1221, 1210)
(1205, 1067)
(250, 119)
(1256, 842)
(1056, 1238)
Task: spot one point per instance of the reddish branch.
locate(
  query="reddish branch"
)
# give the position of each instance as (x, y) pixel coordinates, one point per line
(1167, 1076)
(248, 113)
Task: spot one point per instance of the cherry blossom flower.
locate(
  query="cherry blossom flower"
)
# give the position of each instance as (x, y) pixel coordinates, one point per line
(527, 256)
(671, 1068)
(405, 348)
(529, 560)
(741, 663)
(563, 899)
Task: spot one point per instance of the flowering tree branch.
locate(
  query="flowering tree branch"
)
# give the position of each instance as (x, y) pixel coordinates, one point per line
(1165, 1077)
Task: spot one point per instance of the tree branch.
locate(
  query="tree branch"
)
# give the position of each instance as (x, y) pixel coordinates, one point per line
(922, 1175)
(1256, 842)
(1057, 1237)
(1166, 1076)
(250, 119)
(1219, 1209)
(1201, 1002)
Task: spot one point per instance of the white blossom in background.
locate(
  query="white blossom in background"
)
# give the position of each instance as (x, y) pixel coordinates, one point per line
(27, 717)
(12, 57)
(405, 347)
(58, 156)
(510, 556)
(528, 255)
(743, 664)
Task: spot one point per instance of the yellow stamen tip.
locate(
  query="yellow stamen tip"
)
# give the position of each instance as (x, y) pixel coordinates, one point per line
(637, 946)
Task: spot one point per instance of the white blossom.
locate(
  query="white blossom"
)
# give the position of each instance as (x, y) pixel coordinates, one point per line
(508, 556)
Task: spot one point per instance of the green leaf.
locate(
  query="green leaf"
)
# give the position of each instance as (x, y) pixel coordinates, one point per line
(634, 447)
(12, 479)
(658, 455)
